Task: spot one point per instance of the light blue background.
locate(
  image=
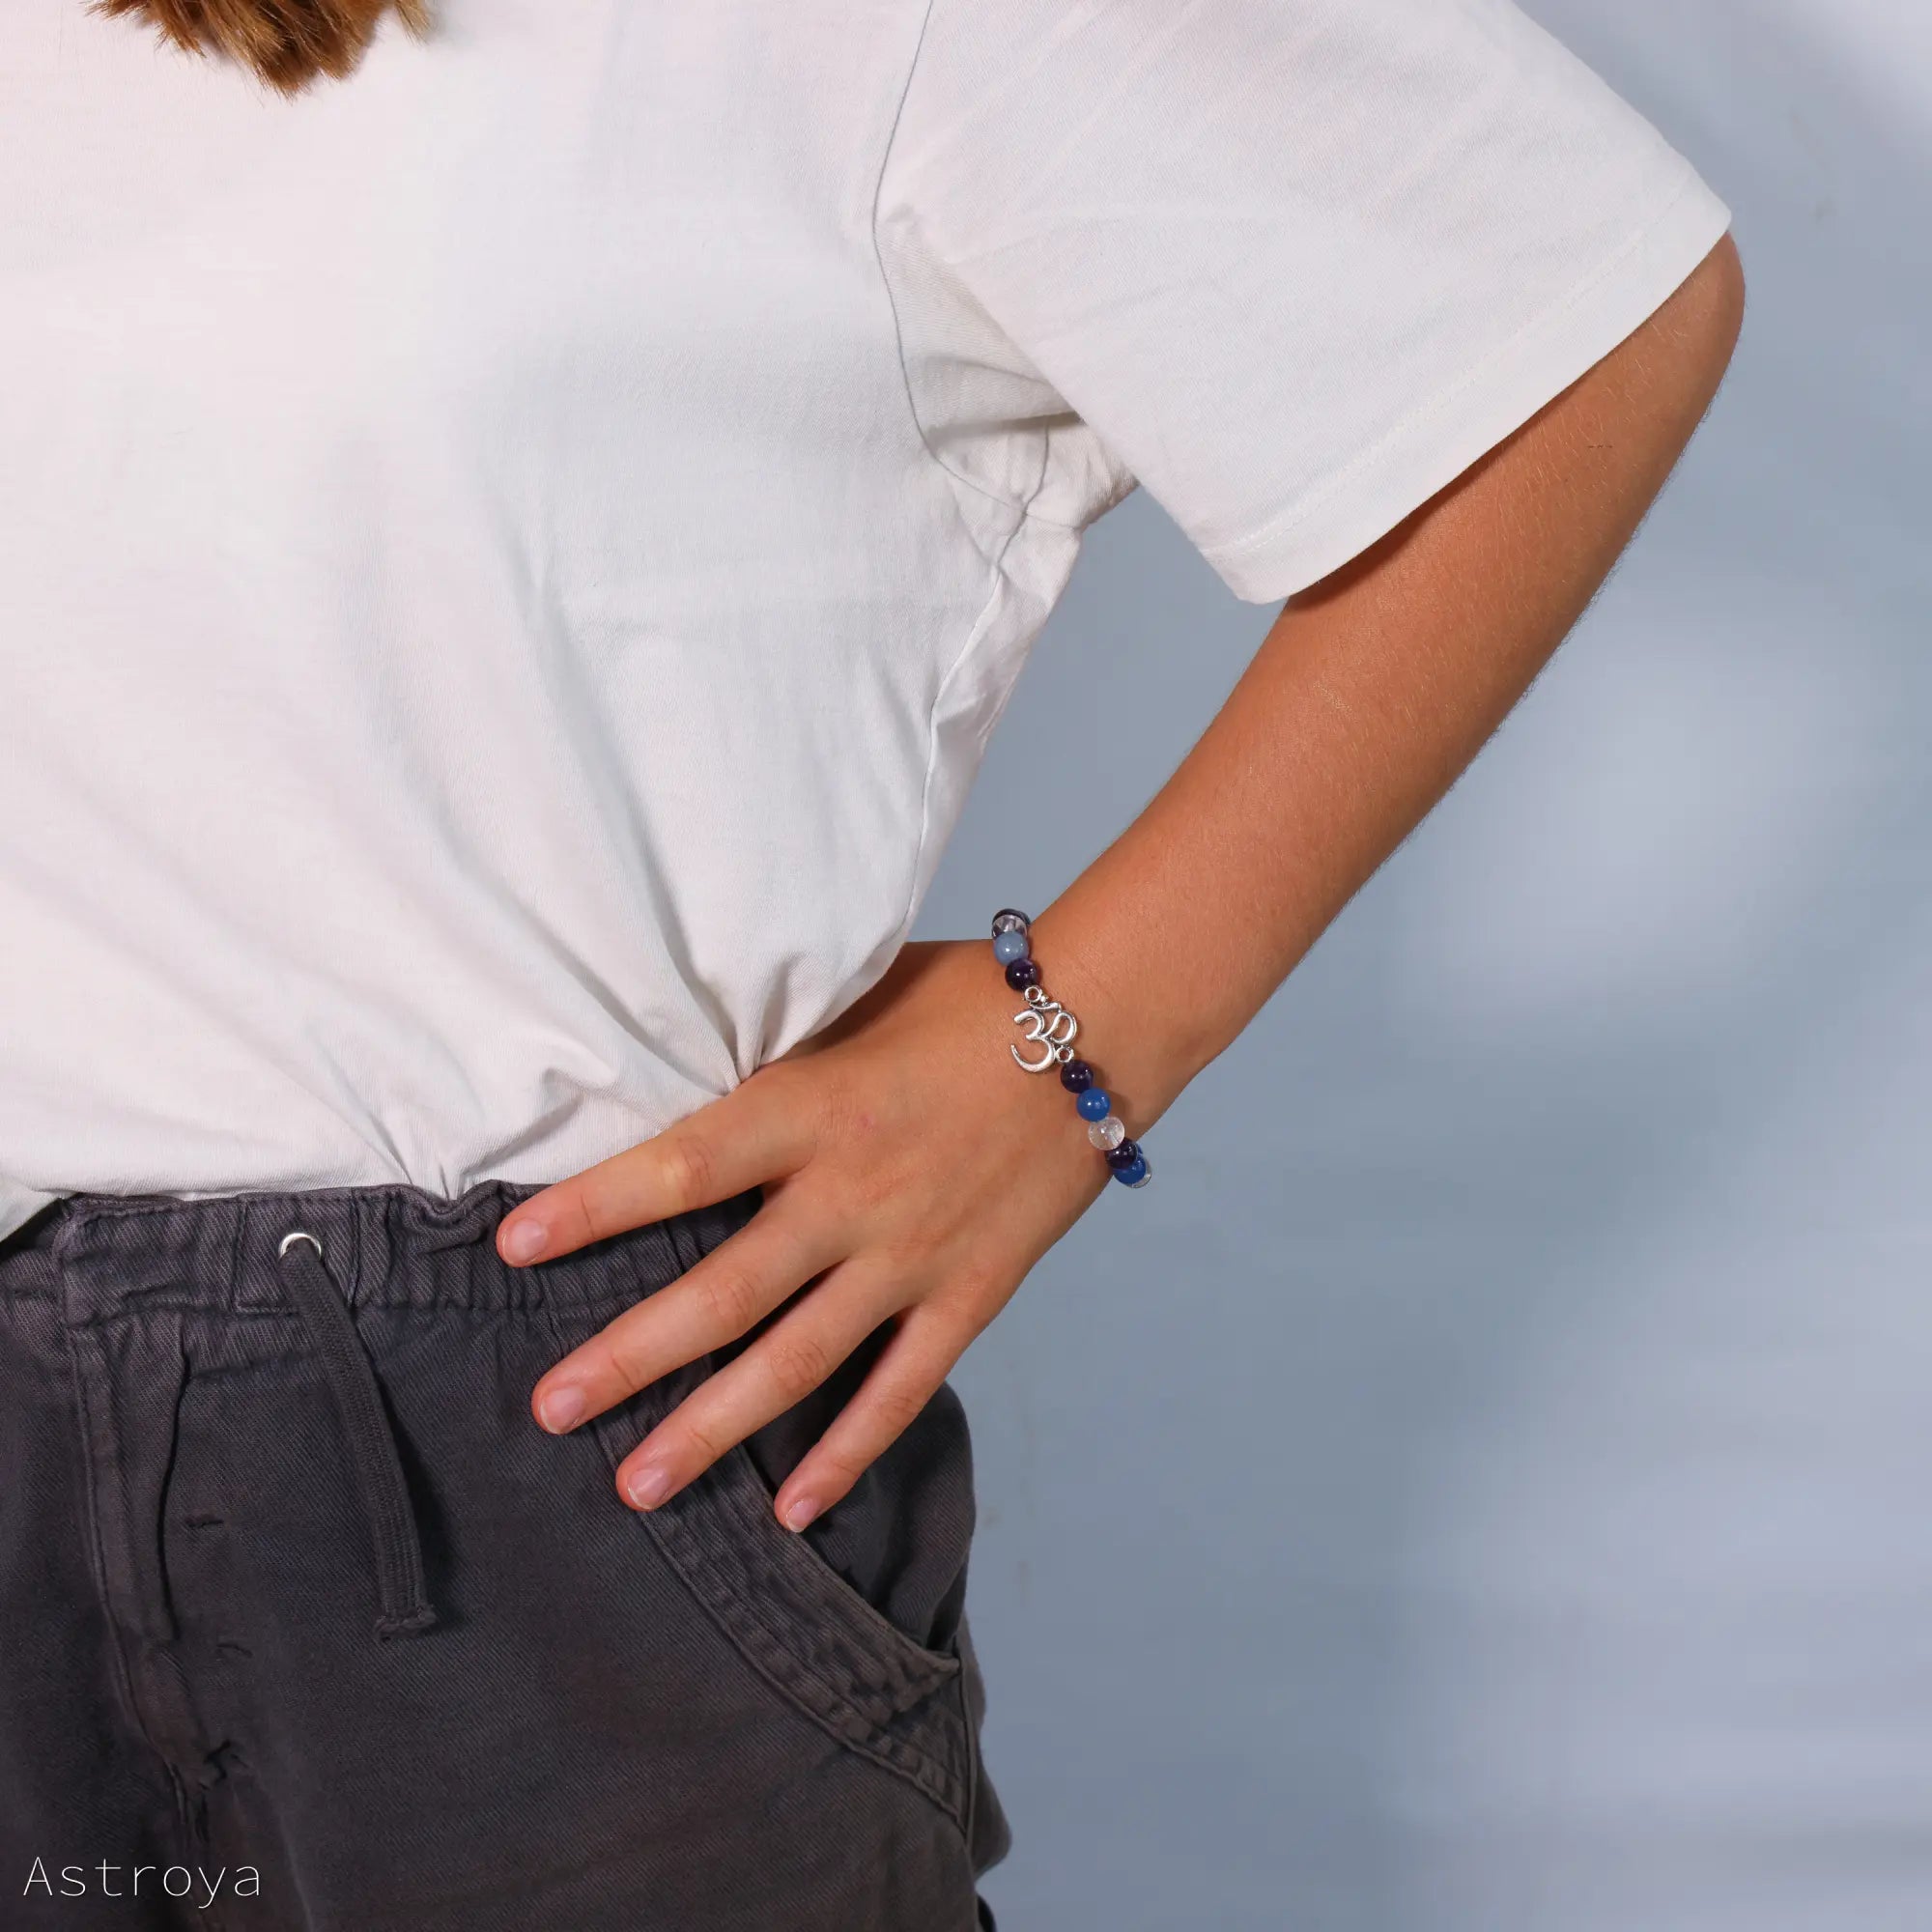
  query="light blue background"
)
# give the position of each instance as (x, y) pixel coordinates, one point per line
(1485, 1482)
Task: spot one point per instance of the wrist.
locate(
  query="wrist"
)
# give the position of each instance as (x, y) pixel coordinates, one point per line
(1138, 1055)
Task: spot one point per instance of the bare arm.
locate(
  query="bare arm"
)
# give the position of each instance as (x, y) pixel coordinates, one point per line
(1369, 698)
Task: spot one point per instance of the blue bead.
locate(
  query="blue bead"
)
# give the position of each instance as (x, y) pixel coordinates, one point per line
(1136, 1175)
(1009, 946)
(1094, 1104)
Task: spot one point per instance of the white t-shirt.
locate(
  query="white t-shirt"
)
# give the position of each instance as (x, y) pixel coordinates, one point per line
(508, 564)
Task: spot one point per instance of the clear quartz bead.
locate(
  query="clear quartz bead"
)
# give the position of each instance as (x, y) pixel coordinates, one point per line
(1107, 1134)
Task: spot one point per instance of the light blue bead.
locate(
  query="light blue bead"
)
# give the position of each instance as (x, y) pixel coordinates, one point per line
(1009, 946)
(1096, 1104)
(1136, 1175)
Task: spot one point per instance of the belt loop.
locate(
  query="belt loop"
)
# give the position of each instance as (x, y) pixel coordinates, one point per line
(373, 1455)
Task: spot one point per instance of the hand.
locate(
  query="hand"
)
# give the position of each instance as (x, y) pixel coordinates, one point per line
(911, 1173)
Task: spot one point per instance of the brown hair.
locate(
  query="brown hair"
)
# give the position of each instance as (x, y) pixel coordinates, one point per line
(288, 42)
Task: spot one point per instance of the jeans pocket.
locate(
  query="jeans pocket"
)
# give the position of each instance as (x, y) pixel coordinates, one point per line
(813, 1637)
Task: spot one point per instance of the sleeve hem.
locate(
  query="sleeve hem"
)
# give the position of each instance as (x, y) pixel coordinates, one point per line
(1429, 449)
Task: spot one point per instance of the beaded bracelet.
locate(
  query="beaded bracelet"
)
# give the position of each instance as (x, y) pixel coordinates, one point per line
(1052, 1027)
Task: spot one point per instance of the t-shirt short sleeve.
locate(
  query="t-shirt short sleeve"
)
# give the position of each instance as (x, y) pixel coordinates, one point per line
(1291, 265)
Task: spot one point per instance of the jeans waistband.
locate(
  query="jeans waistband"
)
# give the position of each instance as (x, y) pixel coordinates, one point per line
(152, 1264)
(390, 1245)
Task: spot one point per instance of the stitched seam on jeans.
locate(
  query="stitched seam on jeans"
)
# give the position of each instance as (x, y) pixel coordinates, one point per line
(961, 1689)
(536, 1307)
(770, 1654)
(680, 1528)
(96, 1430)
(735, 1541)
(792, 1570)
(777, 1662)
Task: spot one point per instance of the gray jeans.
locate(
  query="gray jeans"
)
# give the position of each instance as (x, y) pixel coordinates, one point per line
(291, 1586)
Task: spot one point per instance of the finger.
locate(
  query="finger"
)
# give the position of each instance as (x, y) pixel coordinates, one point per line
(732, 1289)
(756, 1132)
(905, 1378)
(799, 1352)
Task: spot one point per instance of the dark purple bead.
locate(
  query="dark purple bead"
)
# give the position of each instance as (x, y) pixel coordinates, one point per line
(1076, 1076)
(1125, 1155)
(1022, 974)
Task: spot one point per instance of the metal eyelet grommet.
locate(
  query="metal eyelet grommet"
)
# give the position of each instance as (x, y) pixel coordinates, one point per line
(298, 1235)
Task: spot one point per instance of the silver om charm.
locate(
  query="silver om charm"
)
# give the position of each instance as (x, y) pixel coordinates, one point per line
(1049, 1027)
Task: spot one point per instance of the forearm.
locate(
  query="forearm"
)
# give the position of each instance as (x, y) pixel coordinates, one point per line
(1370, 696)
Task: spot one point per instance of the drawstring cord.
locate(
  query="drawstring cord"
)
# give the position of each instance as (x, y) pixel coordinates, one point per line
(373, 1455)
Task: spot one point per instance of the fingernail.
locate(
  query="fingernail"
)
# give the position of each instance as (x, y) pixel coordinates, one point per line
(524, 1240)
(649, 1487)
(561, 1409)
(797, 1514)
